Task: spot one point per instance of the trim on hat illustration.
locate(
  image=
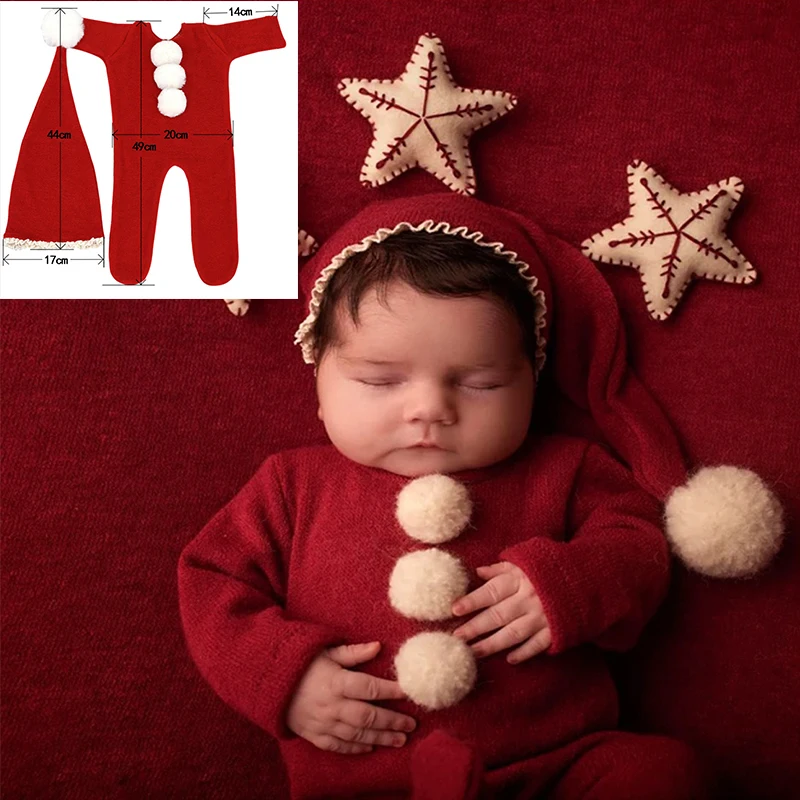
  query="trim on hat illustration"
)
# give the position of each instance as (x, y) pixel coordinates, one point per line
(26, 244)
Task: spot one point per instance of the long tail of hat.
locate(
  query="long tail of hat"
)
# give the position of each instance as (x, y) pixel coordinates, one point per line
(590, 364)
(724, 521)
(445, 768)
(54, 197)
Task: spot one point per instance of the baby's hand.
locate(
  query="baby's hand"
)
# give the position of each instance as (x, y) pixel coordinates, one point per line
(328, 709)
(513, 606)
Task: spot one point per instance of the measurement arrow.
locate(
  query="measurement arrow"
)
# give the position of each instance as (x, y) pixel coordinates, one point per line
(6, 259)
(98, 258)
(273, 12)
(60, 64)
(139, 26)
(207, 12)
(228, 133)
(116, 134)
(140, 219)
(60, 197)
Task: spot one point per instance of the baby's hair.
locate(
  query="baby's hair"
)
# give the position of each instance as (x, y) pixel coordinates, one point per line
(435, 263)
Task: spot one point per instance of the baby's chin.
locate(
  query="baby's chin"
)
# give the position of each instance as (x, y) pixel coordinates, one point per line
(413, 462)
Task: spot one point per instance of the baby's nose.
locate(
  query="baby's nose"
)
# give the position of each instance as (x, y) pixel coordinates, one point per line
(430, 404)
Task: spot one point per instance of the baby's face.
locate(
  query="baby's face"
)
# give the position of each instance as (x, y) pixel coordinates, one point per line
(451, 371)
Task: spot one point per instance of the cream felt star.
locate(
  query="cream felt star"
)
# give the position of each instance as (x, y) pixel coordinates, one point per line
(672, 238)
(423, 119)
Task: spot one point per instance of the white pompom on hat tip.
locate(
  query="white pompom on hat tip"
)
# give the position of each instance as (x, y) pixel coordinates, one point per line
(724, 522)
(62, 28)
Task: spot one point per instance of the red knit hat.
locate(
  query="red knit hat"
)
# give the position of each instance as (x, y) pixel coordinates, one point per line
(54, 198)
(722, 521)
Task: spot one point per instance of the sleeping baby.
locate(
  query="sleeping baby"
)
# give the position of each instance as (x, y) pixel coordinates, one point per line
(419, 608)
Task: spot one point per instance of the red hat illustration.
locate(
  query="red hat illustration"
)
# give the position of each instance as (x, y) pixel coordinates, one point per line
(54, 198)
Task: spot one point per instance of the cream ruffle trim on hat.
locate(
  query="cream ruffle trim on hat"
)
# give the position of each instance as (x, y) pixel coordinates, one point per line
(303, 335)
(26, 244)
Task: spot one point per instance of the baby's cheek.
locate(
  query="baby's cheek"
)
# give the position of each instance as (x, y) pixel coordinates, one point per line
(501, 428)
(372, 421)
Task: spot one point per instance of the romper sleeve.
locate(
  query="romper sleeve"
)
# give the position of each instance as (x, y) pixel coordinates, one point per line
(232, 589)
(248, 36)
(103, 39)
(604, 582)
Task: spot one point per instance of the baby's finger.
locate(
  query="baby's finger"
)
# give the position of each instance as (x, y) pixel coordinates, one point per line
(360, 686)
(334, 745)
(348, 655)
(535, 645)
(518, 630)
(489, 594)
(348, 733)
(364, 715)
(493, 570)
(493, 618)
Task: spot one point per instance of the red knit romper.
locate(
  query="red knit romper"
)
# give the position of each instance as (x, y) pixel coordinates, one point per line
(206, 52)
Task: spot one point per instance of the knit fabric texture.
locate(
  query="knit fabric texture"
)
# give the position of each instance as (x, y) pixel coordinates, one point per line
(297, 562)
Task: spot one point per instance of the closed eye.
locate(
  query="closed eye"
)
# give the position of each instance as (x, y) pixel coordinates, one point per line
(483, 388)
(469, 387)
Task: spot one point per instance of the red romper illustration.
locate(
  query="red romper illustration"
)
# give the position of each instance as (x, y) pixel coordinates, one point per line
(174, 84)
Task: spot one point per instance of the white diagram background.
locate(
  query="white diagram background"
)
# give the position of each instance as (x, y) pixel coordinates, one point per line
(265, 153)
